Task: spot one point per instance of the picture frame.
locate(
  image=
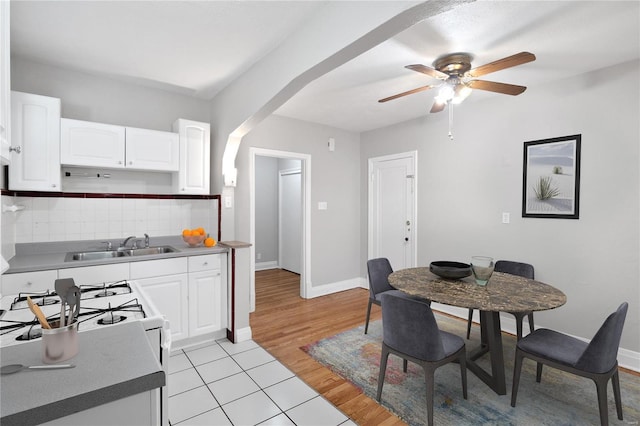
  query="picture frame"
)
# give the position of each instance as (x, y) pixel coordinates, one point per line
(551, 178)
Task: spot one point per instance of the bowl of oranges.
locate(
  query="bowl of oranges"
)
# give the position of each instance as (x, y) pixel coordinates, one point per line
(197, 236)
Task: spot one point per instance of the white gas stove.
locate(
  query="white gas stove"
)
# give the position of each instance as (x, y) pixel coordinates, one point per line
(105, 305)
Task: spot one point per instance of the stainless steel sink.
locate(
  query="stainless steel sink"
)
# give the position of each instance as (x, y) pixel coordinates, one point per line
(145, 251)
(121, 252)
(94, 255)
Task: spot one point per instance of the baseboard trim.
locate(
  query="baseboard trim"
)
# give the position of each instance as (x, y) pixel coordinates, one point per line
(243, 334)
(336, 287)
(263, 266)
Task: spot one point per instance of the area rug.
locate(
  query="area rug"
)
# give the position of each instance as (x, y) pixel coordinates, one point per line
(560, 399)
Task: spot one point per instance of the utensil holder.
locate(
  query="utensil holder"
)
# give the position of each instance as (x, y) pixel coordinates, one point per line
(59, 344)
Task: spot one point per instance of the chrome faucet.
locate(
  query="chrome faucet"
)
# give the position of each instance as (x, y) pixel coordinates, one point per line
(146, 240)
(126, 240)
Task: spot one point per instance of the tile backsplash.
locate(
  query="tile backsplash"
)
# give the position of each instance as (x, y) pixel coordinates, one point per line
(69, 219)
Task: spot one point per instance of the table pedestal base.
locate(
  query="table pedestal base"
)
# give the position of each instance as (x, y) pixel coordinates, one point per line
(491, 342)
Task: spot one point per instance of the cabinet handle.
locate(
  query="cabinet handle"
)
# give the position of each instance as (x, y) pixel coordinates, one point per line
(16, 149)
(131, 163)
(119, 162)
(205, 263)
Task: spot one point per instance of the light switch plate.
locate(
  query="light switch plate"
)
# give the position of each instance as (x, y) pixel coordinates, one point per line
(322, 205)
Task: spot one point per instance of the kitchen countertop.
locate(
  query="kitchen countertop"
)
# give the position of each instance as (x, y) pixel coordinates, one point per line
(50, 255)
(112, 363)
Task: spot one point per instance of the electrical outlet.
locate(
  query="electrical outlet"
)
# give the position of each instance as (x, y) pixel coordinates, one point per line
(506, 217)
(259, 256)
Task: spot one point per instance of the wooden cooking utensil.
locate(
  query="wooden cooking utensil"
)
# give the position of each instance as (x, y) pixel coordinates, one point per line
(38, 313)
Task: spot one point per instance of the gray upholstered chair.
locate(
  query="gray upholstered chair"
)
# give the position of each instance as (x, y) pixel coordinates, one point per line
(596, 360)
(410, 331)
(514, 268)
(378, 270)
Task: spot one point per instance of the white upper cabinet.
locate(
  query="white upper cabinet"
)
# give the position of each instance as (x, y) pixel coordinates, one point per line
(85, 143)
(193, 176)
(35, 136)
(90, 144)
(5, 85)
(152, 150)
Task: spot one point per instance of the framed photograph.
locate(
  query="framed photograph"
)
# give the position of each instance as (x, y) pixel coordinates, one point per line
(551, 178)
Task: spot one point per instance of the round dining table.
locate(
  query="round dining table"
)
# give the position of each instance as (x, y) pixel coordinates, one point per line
(503, 293)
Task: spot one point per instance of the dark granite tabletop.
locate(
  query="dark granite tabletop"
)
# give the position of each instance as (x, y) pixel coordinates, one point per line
(503, 293)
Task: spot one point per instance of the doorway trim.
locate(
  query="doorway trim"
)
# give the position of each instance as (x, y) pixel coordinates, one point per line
(305, 268)
(413, 155)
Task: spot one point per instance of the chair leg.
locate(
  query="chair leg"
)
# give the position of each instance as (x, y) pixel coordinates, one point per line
(469, 322)
(601, 390)
(539, 372)
(517, 367)
(383, 369)
(429, 379)
(463, 372)
(615, 382)
(366, 325)
(531, 327)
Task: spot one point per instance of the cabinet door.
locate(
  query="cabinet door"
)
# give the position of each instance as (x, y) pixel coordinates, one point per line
(35, 128)
(205, 302)
(152, 150)
(169, 296)
(84, 143)
(5, 85)
(193, 176)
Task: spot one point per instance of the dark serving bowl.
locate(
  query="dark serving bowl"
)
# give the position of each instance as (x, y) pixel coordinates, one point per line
(447, 269)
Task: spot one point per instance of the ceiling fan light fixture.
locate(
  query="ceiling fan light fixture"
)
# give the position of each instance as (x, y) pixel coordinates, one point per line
(445, 94)
(461, 93)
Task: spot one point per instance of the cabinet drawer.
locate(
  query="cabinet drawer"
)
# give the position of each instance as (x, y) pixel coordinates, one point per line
(28, 281)
(156, 268)
(94, 275)
(204, 263)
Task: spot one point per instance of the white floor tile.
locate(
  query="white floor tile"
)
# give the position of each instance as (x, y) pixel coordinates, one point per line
(233, 387)
(279, 420)
(269, 374)
(317, 412)
(205, 354)
(215, 417)
(190, 404)
(219, 369)
(251, 409)
(234, 348)
(253, 358)
(183, 381)
(289, 393)
(179, 362)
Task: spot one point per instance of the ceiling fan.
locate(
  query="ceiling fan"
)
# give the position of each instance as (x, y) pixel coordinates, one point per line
(459, 78)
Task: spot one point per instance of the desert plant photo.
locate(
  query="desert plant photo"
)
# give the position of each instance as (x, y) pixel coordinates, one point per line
(544, 188)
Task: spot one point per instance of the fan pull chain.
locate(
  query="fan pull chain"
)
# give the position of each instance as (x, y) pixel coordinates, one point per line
(450, 107)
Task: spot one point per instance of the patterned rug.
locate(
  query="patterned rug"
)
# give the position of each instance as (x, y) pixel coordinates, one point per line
(560, 399)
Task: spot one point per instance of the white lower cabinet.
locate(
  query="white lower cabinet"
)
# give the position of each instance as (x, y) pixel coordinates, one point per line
(168, 294)
(207, 295)
(193, 298)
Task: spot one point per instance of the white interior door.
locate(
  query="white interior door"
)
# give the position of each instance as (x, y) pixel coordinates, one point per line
(290, 226)
(392, 205)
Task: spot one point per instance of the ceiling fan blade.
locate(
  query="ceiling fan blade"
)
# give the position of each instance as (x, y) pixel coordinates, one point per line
(428, 71)
(492, 86)
(437, 107)
(409, 92)
(500, 64)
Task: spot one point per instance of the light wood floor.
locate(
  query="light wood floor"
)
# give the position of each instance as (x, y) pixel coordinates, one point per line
(283, 322)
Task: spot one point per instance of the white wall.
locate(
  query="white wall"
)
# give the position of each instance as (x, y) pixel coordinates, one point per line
(105, 100)
(335, 232)
(466, 184)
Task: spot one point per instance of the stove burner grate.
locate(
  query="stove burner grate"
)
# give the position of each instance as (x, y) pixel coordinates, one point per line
(31, 334)
(111, 319)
